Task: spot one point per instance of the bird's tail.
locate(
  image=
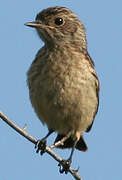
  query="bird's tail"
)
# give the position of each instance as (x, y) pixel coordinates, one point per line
(81, 145)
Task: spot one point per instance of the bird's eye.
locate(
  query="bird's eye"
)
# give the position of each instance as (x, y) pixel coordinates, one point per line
(58, 21)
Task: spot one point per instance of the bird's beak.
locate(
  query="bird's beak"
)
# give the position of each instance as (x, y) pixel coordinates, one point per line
(33, 24)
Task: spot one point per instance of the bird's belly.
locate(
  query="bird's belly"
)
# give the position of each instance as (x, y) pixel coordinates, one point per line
(65, 107)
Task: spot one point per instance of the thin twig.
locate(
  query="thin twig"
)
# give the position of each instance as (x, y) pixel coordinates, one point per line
(61, 142)
(33, 140)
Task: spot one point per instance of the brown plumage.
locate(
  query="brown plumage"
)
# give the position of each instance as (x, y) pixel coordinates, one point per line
(63, 85)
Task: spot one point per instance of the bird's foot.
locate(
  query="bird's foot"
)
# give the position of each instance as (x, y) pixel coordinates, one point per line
(41, 146)
(64, 166)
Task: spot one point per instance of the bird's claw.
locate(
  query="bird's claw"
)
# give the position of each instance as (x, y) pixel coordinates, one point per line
(64, 166)
(41, 146)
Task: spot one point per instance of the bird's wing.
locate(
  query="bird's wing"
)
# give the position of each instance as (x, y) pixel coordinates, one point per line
(97, 85)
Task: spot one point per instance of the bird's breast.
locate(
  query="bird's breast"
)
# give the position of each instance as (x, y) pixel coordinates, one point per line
(62, 92)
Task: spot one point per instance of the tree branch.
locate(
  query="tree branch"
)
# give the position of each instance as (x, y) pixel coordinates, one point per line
(48, 150)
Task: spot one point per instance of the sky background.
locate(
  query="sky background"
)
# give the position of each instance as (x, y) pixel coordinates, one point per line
(18, 45)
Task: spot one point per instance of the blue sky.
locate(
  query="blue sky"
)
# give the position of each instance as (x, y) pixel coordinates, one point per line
(19, 44)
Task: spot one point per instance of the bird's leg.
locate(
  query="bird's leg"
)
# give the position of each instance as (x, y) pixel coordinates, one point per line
(72, 151)
(41, 144)
(65, 164)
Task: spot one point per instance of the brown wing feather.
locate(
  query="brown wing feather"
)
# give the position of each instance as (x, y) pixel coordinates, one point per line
(97, 87)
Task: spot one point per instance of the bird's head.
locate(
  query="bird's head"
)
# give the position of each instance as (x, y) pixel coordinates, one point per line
(58, 24)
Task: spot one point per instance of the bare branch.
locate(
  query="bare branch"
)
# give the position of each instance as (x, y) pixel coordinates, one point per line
(34, 141)
(61, 142)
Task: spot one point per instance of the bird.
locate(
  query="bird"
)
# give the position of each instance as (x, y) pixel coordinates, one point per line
(62, 81)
